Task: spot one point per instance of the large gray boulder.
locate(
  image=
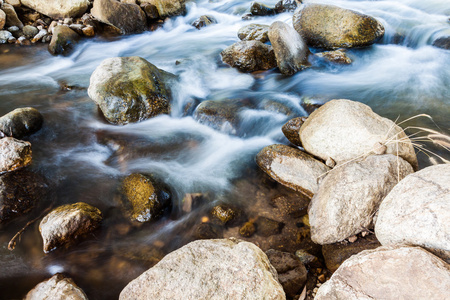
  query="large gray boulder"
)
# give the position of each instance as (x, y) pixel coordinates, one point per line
(57, 287)
(209, 269)
(350, 195)
(168, 8)
(68, 222)
(290, 50)
(128, 18)
(292, 168)
(331, 27)
(344, 130)
(58, 8)
(389, 273)
(417, 211)
(21, 122)
(130, 89)
(14, 154)
(249, 56)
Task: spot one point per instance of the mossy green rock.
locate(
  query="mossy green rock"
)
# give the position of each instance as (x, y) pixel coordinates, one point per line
(331, 27)
(67, 222)
(130, 89)
(146, 199)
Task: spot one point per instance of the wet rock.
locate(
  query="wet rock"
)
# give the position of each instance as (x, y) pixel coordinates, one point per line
(307, 259)
(290, 50)
(222, 115)
(150, 11)
(291, 272)
(247, 230)
(276, 106)
(20, 191)
(41, 36)
(68, 222)
(204, 21)
(2, 19)
(209, 269)
(254, 32)
(343, 27)
(5, 36)
(168, 8)
(14, 154)
(267, 227)
(344, 130)
(88, 31)
(130, 89)
(292, 168)
(147, 199)
(21, 122)
(57, 287)
(249, 56)
(128, 18)
(58, 8)
(63, 40)
(442, 42)
(417, 211)
(350, 195)
(192, 201)
(206, 231)
(389, 273)
(336, 254)
(11, 16)
(289, 206)
(259, 9)
(30, 31)
(224, 213)
(292, 128)
(286, 5)
(336, 57)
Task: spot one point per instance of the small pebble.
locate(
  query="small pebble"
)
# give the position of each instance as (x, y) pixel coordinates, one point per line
(352, 239)
(321, 278)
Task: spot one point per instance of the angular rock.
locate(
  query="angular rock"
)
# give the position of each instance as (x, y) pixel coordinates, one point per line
(249, 56)
(2, 19)
(209, 269)
(147, 200)
(222, 115)
(286, 5)
(21, 122)
(11, 16)
(57, 287)
(344, 130)
(291, 272)
(14, 154)
(336, 56)
(267, 227)
(204, 21)
(442, 42)
(350, 195)
(254, 32)
(389, 273)
(247, 230)
(290, 50)
(20, 191)
(5, 36)
(68, 222)
(128, 18)
(208, 231)
(224, 213)
(63, 40)
(168, 8)
(58, 8)
(336, 254)
(417, 211)
(343, 27)
(130, 89)
(150, 11)
(259, 9)
(292, 168)
(291, 129)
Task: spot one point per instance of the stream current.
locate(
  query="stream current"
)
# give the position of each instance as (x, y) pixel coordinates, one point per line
(399, 77)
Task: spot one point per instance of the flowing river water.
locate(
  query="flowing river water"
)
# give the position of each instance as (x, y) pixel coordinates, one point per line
(399, 77)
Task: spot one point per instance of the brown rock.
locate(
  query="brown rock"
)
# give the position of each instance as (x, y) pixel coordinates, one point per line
(254, 32)
(249, 56)
(63, 40)
(336, 56)
(267, 227)
(57, 287)
(14, 154)
(291, 130)
(21, 122)
(11, 16)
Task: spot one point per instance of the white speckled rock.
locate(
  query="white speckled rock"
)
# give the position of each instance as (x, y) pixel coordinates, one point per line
(344, 129)
(350, 194)
(389, 273)
(292, 168)
(209, 269)
(58, 8)
(57, 287)
(417, 211)
(14, 154)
